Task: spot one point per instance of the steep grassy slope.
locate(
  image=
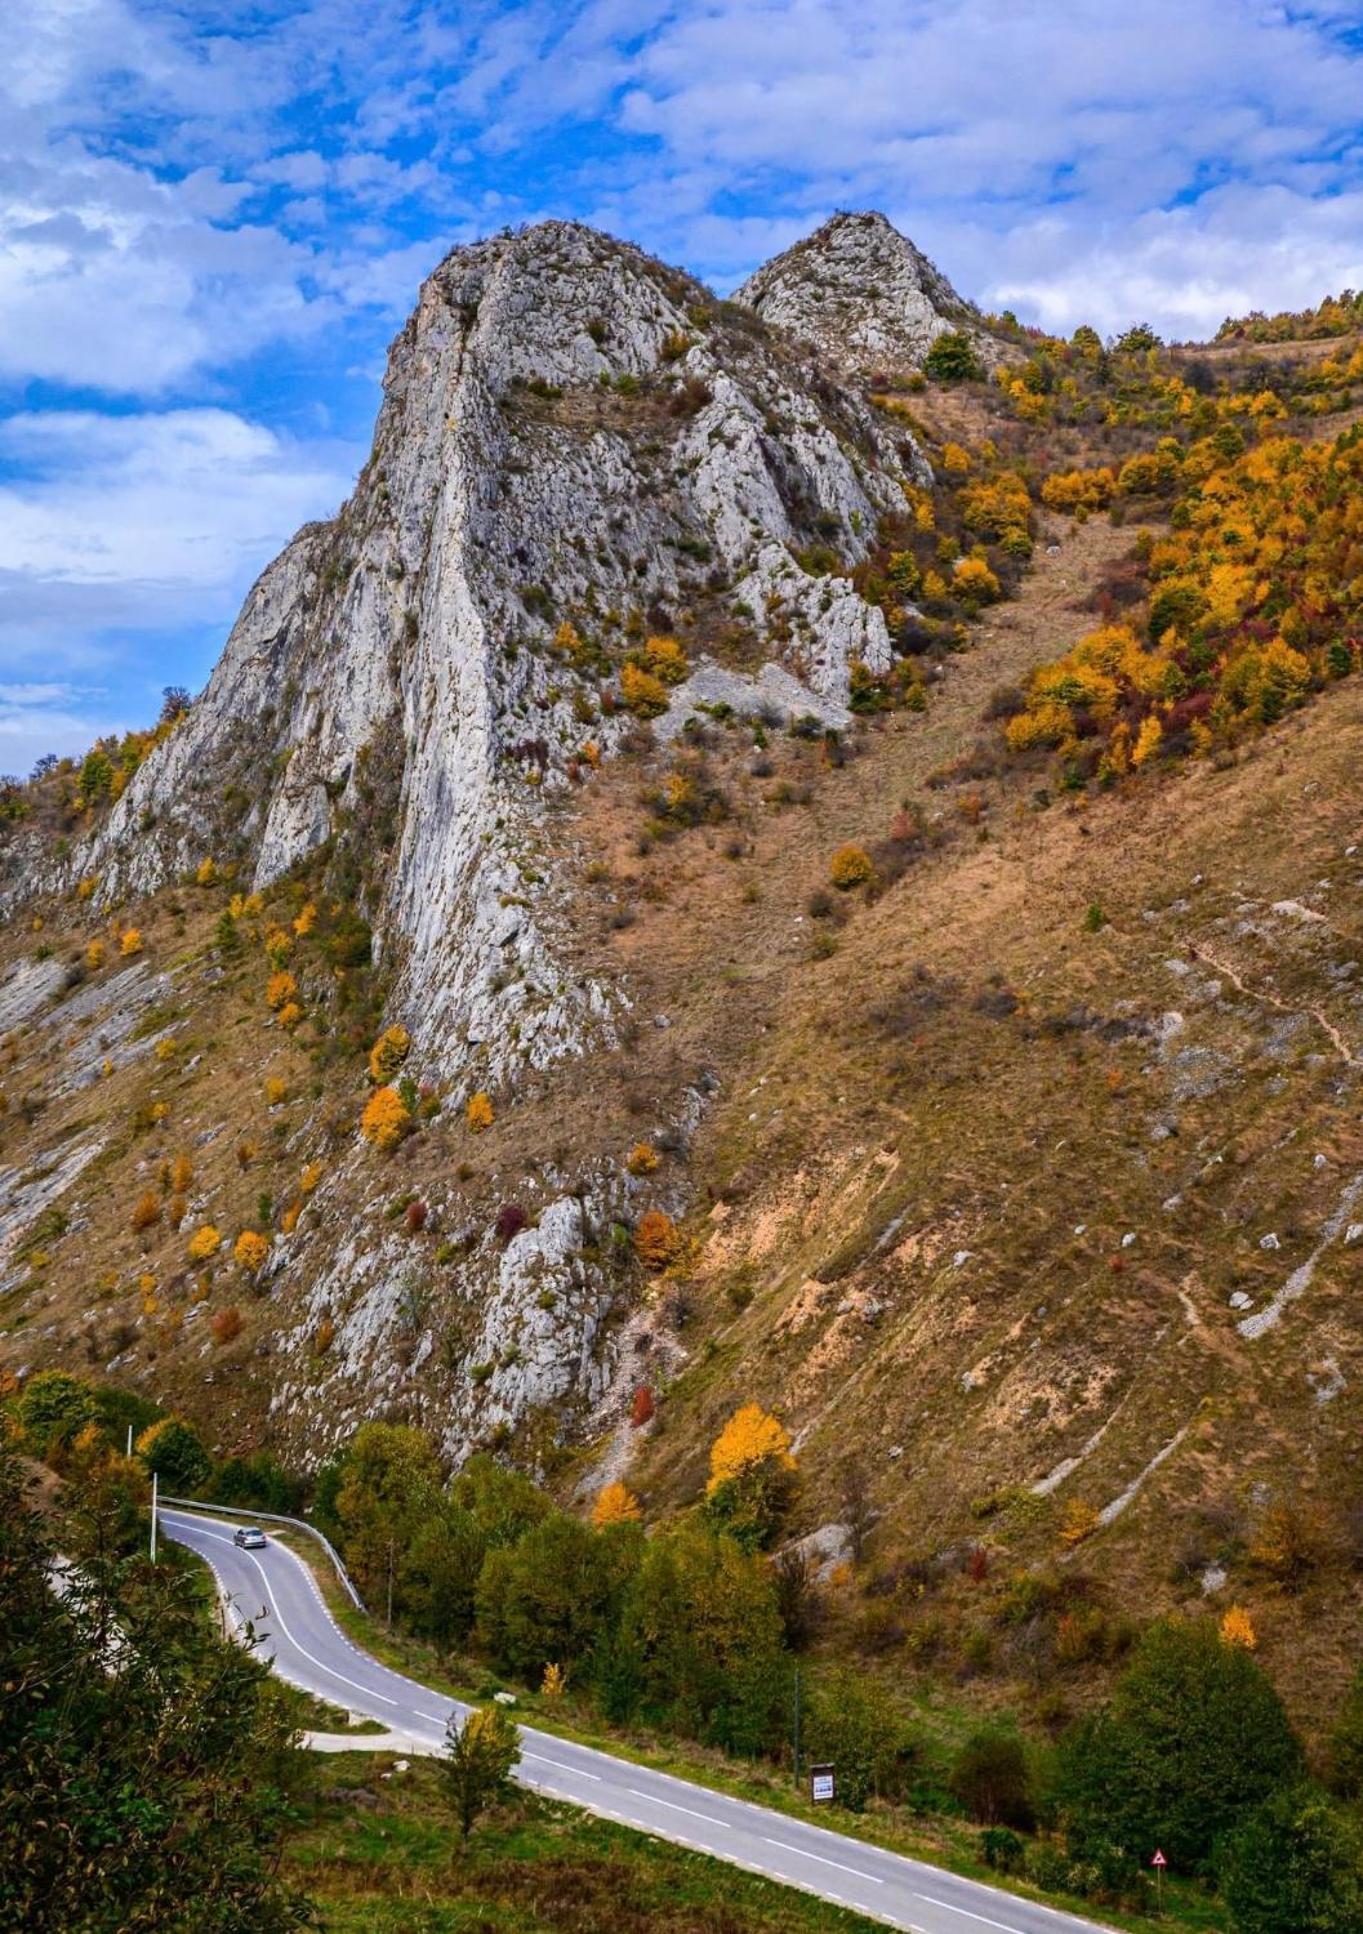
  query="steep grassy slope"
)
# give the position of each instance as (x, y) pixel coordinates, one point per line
(1025, 1182)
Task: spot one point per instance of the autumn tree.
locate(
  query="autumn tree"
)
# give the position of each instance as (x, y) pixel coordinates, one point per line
(615, 1504)
(388, 1053)
(205, 1242)
(250, 1251)
(386, 1119)
(481, 1754)
(752, 1480)
(657, 1240)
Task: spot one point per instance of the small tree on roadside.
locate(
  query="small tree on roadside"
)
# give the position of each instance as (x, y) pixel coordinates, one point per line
(483, 1754)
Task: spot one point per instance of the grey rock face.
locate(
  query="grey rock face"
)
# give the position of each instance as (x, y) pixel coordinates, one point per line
(570, 431)
(867, 298)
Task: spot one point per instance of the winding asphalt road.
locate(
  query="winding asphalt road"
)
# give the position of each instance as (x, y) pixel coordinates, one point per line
(275, 1592)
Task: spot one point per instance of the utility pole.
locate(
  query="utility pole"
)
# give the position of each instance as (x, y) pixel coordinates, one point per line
(797, 1726)
(153, 1517)
(390, 1584)
(130, 1440)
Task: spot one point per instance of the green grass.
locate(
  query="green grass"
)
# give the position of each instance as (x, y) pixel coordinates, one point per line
(382, 1856)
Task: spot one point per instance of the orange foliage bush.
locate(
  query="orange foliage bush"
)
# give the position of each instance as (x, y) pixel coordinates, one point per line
(643, 694)
(479, 1112)
(1237, 1628)
(280, 988)
(657, 1239)
(226, 1325)
(615, 1504)
(250, 1250)
(751, 1436)
(850, 866)
(385, 1120)
(146, 1211)
(205, 1242)
(642, 1159)
(388, 1053)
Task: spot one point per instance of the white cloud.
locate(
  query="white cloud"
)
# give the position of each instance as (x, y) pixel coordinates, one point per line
(170, 506)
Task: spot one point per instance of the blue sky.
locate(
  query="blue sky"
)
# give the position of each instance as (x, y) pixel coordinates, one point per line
(214, 214)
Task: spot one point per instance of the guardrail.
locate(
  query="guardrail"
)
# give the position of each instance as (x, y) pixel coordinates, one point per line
(276, 1517)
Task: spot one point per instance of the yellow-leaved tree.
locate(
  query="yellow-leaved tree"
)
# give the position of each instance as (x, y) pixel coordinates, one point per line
(615, 1504)
(250, 1251)
(1237, 1628)
(752, 1477)
(385, 1120)
(388, 1053)
(204, 1242)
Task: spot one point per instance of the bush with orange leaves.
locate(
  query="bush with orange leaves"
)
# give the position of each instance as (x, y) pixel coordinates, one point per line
(250, 1250)
(479, 1113)
(280, 989)
(642, 693)
(642, 1159)
(850, 866)
(146, 1211)
(226, 1325)
(1291, 1542)
(752, 1477)
(290, 1014)
(205, 1242)
(386, 1119)
(388, 1053)
(615, 1504)
(1237, 1628)
(130, 943)
(657, 1239)
(181, 1174)
(642, 1408)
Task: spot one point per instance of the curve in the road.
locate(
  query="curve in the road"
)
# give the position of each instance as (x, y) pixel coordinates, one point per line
(275, 1594)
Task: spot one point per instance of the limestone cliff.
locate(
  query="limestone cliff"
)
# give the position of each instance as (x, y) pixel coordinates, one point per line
(570, 431)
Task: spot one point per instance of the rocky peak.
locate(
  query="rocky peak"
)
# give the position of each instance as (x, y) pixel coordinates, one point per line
(864, 296)
(572, 435)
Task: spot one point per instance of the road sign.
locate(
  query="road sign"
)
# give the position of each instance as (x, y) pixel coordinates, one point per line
(821, 1784)
(1159, 1859)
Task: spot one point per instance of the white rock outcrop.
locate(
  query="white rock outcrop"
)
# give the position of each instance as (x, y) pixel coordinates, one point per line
(865, 296)
(570, 430)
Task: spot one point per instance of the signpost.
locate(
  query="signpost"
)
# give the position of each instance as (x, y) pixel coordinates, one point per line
(1159, 1863)
(822, 1786)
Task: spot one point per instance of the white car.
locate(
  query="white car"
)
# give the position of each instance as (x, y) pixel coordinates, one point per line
(250, 1537)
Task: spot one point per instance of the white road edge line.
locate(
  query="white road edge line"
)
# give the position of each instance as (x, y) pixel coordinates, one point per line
(328, 1671)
